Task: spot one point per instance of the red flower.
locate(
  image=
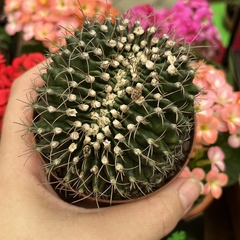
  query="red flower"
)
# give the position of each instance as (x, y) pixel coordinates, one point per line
(9, 73)
(2, 61)
(32, 60)
(26, 62)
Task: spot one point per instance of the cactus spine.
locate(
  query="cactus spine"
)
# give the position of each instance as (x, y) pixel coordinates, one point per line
(115, 114)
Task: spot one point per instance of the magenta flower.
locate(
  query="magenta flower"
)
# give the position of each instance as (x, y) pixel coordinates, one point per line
(146, 14)
(188, 21)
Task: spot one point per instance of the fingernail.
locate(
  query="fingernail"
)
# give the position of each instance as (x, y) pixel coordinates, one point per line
(189, 192)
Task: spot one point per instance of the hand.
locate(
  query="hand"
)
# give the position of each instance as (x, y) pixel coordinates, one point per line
(32, 210)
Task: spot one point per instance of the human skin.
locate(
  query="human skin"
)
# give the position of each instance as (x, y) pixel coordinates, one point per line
(31, 210)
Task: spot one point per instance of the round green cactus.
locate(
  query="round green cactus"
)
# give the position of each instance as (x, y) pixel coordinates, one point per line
(115, 115)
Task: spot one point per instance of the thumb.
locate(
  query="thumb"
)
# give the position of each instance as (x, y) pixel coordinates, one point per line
(155, 216)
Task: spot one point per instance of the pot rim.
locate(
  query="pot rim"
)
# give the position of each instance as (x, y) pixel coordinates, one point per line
(199, 208)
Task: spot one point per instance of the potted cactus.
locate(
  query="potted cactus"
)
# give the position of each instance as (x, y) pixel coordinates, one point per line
(114, 119)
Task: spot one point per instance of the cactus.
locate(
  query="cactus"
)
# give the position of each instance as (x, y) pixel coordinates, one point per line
(115, 115)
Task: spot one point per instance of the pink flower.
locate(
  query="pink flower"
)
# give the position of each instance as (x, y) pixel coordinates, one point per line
(53, 46)
(69, 23)
(205, 101)
(28, 31)
(225, 95)
(231, 115)
(87, 6)
(199, 79)
(13, 26)
(42, 19)
(216, 156)
(12, 5)
(101, 8)
(29, 6)
(63, 7)
(206, 131)
(42, 14)
(196, 173)
(234, 139)
(215, 182)
(44, 31)
(215, 77)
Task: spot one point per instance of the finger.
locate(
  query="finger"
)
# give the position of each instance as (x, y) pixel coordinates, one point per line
(17, 118)
(18, 156)
(152, 217)
(21, 95)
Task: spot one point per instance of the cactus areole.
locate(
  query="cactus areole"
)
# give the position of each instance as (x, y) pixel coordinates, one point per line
(114, 117)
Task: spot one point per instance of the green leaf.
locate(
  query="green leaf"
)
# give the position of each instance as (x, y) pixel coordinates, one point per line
(232, 159)
(5, 39)
(179, 235)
